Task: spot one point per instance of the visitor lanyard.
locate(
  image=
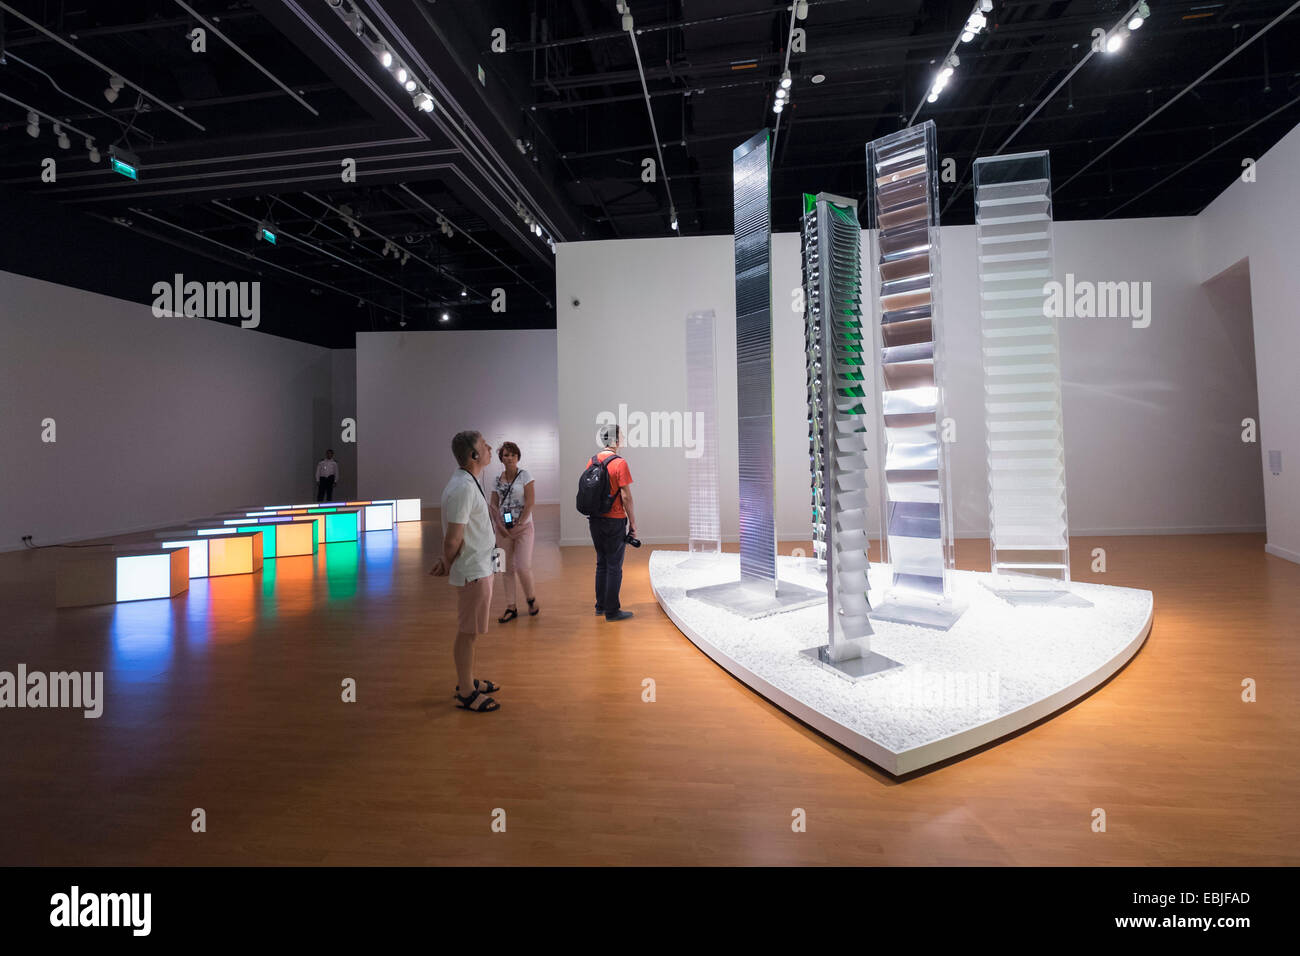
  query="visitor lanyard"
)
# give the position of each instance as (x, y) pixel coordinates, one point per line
(476, 484)
(505, 498)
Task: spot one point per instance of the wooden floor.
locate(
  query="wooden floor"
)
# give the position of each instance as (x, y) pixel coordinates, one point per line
(228, 698)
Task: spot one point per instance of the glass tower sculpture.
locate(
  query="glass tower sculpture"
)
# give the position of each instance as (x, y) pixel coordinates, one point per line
(837, 364)
(1028, 529)
(758, 592)
(903, 193)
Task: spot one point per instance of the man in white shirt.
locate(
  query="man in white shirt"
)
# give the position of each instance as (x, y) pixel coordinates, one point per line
(467, 545)
(327, 470)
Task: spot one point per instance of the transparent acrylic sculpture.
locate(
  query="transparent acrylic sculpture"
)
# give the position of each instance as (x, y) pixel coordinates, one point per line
(1028, 527)
(839, 426)
(704, 541)
(903, 194)
(758, 592)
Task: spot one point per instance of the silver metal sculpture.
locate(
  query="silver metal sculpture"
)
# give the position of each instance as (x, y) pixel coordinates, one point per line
(704, 541)
(903, 194)
(758, 592)
(838, 417)
(1028, 526)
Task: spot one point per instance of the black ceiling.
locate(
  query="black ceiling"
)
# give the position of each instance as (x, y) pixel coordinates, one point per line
(558, 127)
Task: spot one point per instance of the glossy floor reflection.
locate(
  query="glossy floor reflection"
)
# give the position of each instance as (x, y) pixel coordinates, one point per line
(228, 698)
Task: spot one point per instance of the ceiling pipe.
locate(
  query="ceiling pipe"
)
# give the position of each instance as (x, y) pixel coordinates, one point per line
(108, 71)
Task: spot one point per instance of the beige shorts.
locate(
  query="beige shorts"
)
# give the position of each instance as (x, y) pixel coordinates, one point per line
(473, 602)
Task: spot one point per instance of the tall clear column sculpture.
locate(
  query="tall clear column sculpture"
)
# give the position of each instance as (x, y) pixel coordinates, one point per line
(758, 592)
(1028, 527)
(838, 379)
(903, 196)
(704, 541)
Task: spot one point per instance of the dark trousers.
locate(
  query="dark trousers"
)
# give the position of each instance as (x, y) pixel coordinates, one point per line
(607, 535)
(324, 489)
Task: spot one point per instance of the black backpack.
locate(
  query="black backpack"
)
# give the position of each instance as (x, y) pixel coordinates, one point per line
(594, 498)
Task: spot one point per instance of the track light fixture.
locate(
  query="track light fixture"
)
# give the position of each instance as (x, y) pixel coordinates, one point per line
(115, 85)
(801, 10)
(1139, 16)
(33, 125)
(672, 224)
(386, 58)
(62, 137)
(1116, 39)
(464, 292)
(446, 317)
(786, 81)
(423, 102)
(92, 150)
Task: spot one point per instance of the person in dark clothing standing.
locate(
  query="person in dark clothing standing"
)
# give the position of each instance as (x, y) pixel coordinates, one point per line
(327, 472)
(609, 531)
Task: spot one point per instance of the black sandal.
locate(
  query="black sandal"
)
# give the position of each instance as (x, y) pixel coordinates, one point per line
(510, 615)
(478, 702)
(533, 610)
(486, 686)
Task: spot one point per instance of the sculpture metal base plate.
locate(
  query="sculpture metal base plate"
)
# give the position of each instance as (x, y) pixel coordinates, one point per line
(939, 617)
(1037, 597)
(700, 559)
(755, 599)
(855, 669)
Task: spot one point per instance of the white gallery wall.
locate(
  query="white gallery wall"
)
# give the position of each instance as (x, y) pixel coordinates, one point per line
(156, 420)
(1256, 222)
(1152, 415)
(415, 390)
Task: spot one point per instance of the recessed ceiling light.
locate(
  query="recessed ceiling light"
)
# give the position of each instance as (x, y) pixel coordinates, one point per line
(818, 77)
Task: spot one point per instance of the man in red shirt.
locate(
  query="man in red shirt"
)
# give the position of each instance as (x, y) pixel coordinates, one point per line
(609, 531)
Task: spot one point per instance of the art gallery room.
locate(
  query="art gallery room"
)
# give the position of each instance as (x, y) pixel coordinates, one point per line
(946, 352)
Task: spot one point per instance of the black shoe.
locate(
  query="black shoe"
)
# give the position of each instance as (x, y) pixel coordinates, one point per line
(600, 610)
(618, 616)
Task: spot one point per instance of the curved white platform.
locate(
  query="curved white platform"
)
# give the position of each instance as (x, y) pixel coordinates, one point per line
(999, 668)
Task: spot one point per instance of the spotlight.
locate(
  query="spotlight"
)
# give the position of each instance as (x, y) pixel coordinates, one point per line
(976, 22)
(967, 36)
(115, 84)
(401, 74)
(410, 86)
(386, 58)
(932, 97)
(64, 142)
(1139, 17)
(778, 106)
(423, 102)
(1115, 41)
(464, 293)
(781, 94)
(801, 10)
(673, 224)
(446, 316)
(33, 125)
(945, 73)
(92, 150)
(785, 80)
(986, 6)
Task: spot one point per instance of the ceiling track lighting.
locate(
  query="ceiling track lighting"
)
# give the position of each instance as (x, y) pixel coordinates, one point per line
(114, 89)
(33, 125)
(1140, 16)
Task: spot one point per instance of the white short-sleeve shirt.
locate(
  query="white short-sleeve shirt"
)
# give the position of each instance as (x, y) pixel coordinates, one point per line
(463, 503)
(514, 501)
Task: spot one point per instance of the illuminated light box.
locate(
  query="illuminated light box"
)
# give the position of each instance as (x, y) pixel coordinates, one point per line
(408, 509)
(105, 576)
(341, 526)
(298, 537)
(378, 517)
(235, 554)
(267, 531)
(198, 554)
